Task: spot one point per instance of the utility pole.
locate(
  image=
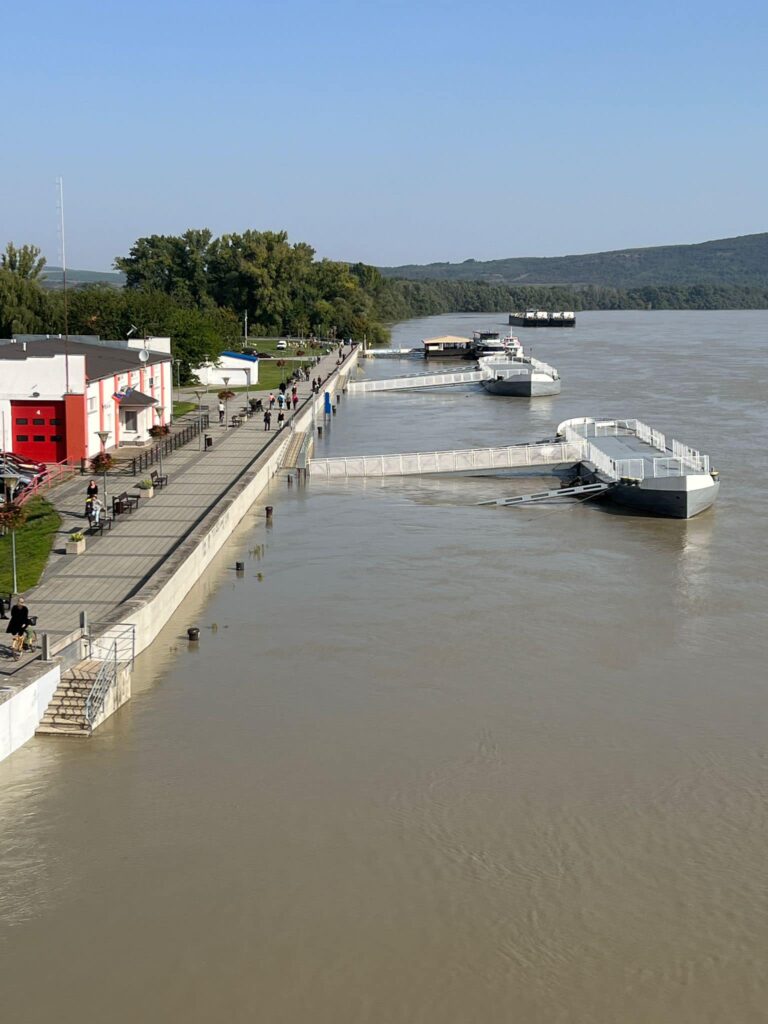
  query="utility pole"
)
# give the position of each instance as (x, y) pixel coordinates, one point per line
(60, 183)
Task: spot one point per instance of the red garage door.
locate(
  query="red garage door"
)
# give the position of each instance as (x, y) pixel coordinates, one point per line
(39, 430)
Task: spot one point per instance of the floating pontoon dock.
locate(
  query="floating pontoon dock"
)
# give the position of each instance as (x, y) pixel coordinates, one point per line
(521, 376)
(624, 460)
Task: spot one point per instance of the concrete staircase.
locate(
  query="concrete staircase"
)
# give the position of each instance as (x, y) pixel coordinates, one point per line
(292, 449)
(65, 715)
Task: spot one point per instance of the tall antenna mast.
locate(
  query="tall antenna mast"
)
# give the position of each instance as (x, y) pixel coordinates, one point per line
(63, 245)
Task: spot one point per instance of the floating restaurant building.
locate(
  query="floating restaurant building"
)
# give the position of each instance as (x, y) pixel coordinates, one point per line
(57, 393)
(449, 346)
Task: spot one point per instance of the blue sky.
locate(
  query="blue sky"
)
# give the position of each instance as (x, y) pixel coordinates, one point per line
(391, 132)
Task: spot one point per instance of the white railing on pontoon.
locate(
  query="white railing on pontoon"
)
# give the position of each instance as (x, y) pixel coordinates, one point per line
(683, 458)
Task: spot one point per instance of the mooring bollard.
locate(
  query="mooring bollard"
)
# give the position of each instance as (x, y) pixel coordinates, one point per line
(268, 510)
(319, 430)
(45, 644)
(193, 634)
(240, 567)
(289, 479)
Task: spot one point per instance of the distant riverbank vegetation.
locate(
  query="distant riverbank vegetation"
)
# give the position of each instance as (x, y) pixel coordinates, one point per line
(198, 288)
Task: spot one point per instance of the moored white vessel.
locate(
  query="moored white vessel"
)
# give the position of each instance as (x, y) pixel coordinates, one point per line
(643, 470)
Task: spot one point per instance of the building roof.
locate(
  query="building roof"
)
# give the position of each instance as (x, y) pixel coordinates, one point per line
(100, 360)
(136, 400)
(241, 355)
(447, 339)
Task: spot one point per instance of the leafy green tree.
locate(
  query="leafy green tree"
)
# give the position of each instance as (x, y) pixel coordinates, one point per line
(25, 262)
(24, 306)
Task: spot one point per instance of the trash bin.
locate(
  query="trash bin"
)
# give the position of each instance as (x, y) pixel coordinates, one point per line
(208, 441)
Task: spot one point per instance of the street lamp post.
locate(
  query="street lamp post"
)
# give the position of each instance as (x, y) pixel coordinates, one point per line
(199, 420)
(226, 400)
(177, 364)
(103, 436)
(9, 486)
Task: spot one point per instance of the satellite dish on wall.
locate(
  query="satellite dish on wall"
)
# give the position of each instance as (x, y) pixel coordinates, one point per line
(143, 355)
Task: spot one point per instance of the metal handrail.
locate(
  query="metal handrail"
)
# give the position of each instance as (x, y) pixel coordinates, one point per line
(169, 444)
(114, 649)
(105, 680)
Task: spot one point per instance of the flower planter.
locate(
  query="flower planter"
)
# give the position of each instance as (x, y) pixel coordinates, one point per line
(147, 492)
(76, 547)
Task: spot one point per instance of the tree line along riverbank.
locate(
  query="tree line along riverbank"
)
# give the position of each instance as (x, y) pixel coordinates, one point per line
(198, 288)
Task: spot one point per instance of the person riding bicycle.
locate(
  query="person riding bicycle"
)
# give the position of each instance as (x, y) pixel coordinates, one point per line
(17, 627)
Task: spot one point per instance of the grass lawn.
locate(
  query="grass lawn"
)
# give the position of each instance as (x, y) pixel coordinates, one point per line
(34, 541)
(270, 376)
(181, 408)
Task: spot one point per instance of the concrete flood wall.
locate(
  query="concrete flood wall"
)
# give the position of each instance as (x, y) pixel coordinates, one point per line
(20, 714)
(165, 592)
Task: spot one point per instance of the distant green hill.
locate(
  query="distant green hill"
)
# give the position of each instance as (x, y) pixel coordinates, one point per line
(726, 261)
(52, 278)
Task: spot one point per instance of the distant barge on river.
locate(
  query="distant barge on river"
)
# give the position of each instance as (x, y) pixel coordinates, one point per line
(541, 318)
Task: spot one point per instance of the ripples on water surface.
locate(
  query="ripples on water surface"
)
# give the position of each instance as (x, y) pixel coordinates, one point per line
(438, 764)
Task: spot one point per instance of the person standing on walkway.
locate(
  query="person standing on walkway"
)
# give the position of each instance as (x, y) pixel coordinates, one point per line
(280, 418)
(222, 410)
(271, 400)
(92, 489)
(282, 387)
(280, 400)
(96, 509)
(17, 627)
(267, 419)
(295, 400)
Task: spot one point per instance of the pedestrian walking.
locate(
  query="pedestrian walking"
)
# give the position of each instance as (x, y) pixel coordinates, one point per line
(222, 411)
(282, 387)
(281, 400)
(280, 419)
(17, 627)
(271, 400)
(267, 419)
(295, 400)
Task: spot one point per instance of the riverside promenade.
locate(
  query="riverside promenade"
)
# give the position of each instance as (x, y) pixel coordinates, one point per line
(133, 561)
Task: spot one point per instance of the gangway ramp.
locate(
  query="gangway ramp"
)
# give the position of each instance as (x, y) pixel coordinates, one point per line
(580, 491)
(414, 381)
(465, 460)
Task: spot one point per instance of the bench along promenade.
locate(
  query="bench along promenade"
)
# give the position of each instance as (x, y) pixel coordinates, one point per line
(133, 576)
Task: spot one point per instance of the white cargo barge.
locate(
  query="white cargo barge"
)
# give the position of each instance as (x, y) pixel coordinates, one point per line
(542, 318)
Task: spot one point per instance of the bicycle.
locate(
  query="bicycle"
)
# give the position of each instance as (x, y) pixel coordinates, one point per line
(27, 641)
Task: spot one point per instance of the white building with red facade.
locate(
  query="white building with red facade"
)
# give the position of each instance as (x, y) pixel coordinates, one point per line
(57, 393)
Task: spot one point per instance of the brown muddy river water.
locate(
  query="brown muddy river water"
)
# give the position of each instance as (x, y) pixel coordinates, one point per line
(433, 763)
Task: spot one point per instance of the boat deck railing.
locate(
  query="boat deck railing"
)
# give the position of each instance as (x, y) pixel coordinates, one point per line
(677, 459)
(506, 364)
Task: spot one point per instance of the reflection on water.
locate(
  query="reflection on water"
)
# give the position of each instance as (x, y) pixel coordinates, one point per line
(432, 762)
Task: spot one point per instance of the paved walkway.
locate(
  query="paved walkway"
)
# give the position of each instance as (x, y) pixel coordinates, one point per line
(116, 565)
